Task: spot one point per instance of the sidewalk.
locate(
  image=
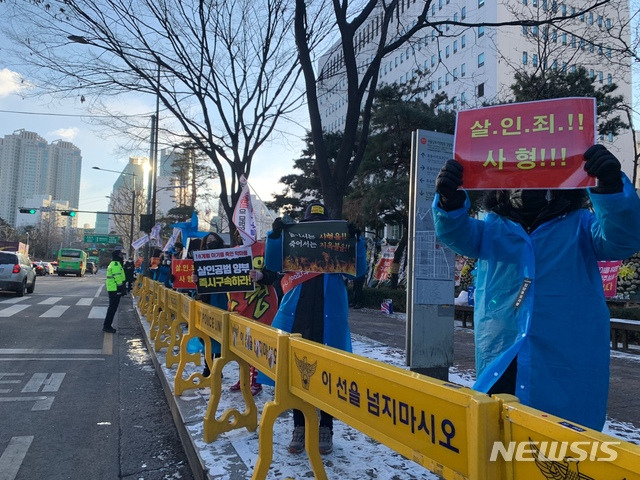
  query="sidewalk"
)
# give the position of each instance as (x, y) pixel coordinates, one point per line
(375, 335)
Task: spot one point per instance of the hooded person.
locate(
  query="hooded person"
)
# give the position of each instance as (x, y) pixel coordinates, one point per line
(212, 241)
(540, 316)
(316, 306)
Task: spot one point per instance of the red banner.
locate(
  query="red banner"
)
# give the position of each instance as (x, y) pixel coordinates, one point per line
(182, 271)
(262, 303)
(526, 145)
(382, 268)
(609, 274)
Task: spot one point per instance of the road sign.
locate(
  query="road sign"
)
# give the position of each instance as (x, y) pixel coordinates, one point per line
(110, 239)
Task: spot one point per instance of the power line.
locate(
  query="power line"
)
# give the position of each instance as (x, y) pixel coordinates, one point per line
(70, 114)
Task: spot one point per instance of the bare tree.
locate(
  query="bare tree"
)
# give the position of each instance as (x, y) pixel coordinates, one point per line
(225, 70)
(121, 205)
(381, 22)
(193, 173)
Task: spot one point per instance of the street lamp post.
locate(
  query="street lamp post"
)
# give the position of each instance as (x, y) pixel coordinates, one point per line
(133, 203)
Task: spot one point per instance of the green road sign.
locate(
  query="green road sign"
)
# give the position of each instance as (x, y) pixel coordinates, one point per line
(110, 239)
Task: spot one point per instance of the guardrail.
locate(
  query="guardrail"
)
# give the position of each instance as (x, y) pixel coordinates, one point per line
(451, 430)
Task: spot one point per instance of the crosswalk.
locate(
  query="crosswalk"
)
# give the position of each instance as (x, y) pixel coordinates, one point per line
(57, 306)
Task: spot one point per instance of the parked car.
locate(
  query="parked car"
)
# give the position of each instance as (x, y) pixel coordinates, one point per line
(92, 267)
(48, 267)
(16, 273)
(39, 268)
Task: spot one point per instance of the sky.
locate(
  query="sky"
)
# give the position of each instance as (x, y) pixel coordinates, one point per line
(355, 455)
(54, 119)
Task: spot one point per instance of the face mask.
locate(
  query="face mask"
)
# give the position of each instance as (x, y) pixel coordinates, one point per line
(529, 201)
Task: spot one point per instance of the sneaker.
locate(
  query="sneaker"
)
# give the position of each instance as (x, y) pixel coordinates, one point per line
(109, 330)
(325, 441)
(297, 441)
(235, 387)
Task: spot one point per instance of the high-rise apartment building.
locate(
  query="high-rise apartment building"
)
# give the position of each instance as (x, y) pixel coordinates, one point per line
(30, 167)
(476, 66)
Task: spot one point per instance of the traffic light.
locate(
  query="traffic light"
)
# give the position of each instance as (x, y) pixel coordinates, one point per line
(32, 211)
(68, 213)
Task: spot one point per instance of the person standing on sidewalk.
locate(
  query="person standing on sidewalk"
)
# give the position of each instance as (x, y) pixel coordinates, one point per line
(116, 288)
(316, 306)
(541, 319)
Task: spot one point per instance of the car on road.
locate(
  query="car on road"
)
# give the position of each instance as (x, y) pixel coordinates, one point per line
(43, 268)
(48, 268)
(92, 267)
(39, 268)
(16, 273)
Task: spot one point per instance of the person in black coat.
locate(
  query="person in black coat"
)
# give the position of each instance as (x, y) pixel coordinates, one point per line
(129, 273)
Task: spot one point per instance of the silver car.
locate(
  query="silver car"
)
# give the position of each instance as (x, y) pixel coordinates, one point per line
(16, 273)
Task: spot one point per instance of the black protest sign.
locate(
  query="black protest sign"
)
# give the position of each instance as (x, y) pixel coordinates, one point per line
(323, 247)
(223, 270)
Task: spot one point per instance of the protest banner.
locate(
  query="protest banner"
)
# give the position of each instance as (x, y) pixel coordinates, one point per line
(322, 247)
(223, 270)
(260, 304)
(182, 271)
(383, 267)
(243, 217)
(537, 144)
(609, 273)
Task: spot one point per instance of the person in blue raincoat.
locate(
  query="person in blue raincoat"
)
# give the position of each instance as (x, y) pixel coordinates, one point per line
(317, 307)
(541, 318)
(212, 241)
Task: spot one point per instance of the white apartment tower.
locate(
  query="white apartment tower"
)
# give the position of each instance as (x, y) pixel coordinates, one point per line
(30, 167)
(476, 65)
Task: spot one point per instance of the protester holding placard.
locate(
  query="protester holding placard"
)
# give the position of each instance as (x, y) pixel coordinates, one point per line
(541, 319)
(212, 241)
(315, 305)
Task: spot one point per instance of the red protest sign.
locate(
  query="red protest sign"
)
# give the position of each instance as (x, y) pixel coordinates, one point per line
(609, 273)
(182, 271)
(526, 145)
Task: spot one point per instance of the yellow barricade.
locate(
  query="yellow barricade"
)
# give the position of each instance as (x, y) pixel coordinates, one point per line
(187, 313)
(144, 296)
(152, 299)
(173, 334)
(158, 311)
(137, 286)
(539, 445)
(214, 322)
(166, 318)
(253, 343)
(446, 428)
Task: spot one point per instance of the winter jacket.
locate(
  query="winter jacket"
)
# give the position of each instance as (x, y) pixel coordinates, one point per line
(539, 299)
(115, 276)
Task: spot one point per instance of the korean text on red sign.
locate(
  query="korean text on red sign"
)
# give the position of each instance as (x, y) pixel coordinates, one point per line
(526, 145)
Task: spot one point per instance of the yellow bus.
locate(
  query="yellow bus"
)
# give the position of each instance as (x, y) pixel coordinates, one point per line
(73, 261)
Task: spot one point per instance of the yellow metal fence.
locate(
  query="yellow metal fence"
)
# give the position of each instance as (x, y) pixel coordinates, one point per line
(451, 430)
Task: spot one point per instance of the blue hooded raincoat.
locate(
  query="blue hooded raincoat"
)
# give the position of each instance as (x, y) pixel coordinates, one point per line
(559, 330)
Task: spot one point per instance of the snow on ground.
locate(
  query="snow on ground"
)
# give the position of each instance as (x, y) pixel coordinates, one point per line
(355, 455)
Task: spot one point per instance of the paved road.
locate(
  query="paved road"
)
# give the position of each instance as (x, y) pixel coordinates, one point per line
(77, 403)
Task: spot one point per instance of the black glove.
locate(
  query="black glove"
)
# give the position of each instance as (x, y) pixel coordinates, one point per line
(354, 231)
(447, 183)
(276, 228)
(603, 165)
